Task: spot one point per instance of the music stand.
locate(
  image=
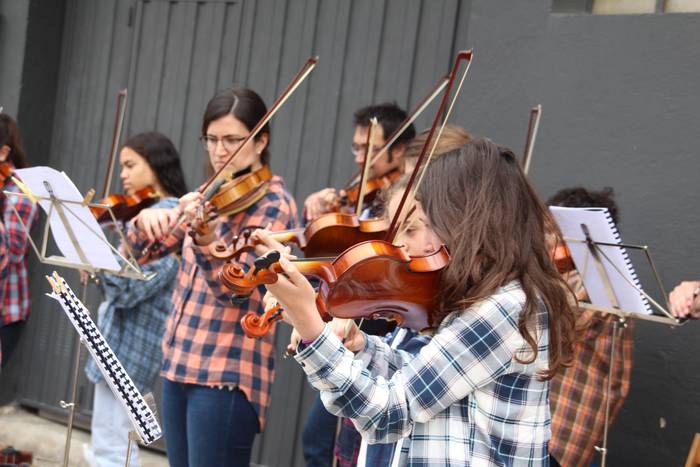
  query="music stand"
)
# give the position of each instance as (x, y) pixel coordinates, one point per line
(612, 284)
(68, 219)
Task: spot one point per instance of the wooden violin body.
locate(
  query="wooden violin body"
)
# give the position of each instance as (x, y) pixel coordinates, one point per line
(124, 207)
(372, 279)
(6, 173)
(241, 192)
(562, 259)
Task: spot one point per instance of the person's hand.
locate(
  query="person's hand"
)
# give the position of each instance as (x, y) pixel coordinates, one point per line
(320, 203)
(348, 332)
(298, 298)
(685, 300)
(294, 341)
(264, 243)
(156, 223)
(84, 276)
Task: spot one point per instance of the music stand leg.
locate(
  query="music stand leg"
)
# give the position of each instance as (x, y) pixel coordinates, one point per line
(619, 324)
(131, 437)
(74, 390)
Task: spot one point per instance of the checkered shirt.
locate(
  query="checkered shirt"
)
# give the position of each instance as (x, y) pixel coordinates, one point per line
(3, 267)
(132, 317)
(15, 294)
(464, 400)
(577, 394)
(204, 342)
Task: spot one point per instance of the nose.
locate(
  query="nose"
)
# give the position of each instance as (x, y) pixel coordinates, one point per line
(360, 157)
(123, 175)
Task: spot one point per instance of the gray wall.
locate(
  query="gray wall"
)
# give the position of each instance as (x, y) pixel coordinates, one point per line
(620, 109)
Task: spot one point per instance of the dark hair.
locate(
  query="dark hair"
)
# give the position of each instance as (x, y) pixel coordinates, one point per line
(579, 197)
(390, 117)
(244, 104)
(10, 136)
(161, 155)
(480, 203)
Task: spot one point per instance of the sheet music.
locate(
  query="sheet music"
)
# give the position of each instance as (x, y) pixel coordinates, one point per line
(602, 229)
(120, 383)
(87, 231)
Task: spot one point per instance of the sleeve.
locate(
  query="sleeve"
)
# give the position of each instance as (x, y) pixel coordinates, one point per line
(16, 239)
(471, 351)
(380, 359)
(274, 210)
(126, 293)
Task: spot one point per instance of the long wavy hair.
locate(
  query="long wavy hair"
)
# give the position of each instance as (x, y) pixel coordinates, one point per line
(480, 203)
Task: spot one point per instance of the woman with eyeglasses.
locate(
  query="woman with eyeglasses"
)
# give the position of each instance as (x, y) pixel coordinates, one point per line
(216, 382)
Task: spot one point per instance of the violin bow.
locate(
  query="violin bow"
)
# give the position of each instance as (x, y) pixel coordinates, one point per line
(301, 75)
(422, 105)
(116, 136)
(373, 124)
(532, 128)
(464, 55)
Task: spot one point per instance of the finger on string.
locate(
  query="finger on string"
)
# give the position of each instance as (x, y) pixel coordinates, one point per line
(293, 273)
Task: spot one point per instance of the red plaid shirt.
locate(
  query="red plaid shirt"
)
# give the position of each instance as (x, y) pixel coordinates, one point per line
(203, 342)
(577, 394)
(15, 287)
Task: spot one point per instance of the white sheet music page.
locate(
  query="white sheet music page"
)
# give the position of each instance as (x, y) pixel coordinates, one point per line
(87, 231)
(617, 265)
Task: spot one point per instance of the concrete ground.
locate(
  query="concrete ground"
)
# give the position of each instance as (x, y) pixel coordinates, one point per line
(46, 440)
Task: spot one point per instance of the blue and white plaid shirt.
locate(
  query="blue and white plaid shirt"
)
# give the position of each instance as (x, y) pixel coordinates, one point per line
(132, 317)
(464, 400)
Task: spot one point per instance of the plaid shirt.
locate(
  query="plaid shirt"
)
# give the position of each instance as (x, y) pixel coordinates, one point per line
(15, 294)
(132, 317)
(577, 394)
(463, 400)
(204, 342)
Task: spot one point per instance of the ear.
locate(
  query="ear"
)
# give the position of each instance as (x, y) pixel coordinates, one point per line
(4, 152)
(261, 142)
(397, 151)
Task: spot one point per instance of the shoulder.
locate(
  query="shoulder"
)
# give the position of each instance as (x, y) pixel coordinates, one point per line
(278, 197)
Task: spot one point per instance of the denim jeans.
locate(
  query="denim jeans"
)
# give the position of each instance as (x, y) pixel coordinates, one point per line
(207, 426)
(318, 438)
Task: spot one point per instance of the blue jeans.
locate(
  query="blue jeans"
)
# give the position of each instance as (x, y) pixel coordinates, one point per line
(207, 426)
(319, 435)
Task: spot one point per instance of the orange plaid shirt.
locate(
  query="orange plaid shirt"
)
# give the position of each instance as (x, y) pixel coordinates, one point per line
(204, 343)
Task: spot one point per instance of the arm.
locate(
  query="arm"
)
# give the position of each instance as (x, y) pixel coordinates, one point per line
(127, 293)
(470, 352)
(16, 239)
(139, 233)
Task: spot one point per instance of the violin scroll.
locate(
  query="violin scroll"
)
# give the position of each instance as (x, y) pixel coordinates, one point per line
(256, 326)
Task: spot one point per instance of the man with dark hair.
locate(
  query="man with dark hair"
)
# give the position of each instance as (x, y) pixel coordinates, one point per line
(390, 117)
(577, 394)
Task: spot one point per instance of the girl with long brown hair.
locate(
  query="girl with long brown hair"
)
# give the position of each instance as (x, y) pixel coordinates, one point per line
(477, 393)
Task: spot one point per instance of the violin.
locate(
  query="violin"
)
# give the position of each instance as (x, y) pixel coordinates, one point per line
(7, 172)
(373, 280)
(124, 207)
(562, 259)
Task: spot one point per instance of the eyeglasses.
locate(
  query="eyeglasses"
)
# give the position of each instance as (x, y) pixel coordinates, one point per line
(356, 149)
(230, 142)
